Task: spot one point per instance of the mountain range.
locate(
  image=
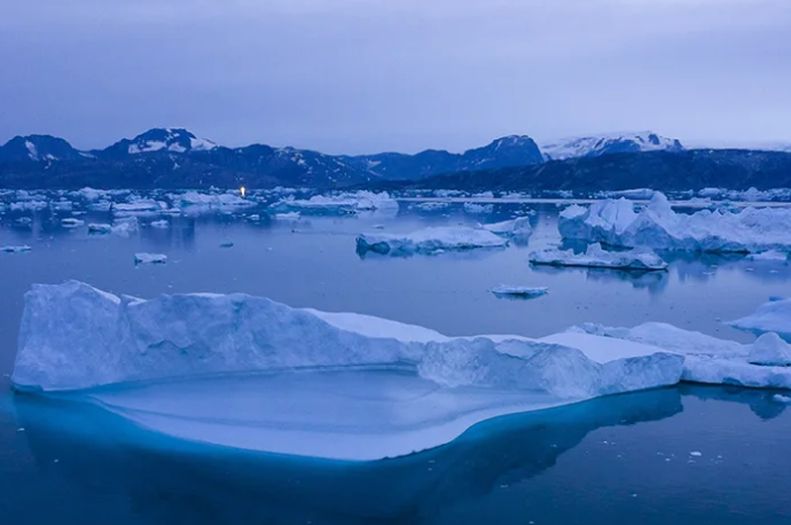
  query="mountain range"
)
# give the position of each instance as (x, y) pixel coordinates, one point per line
(177, 158)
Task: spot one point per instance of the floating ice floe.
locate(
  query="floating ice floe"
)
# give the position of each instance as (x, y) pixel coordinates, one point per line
(474, 207)
(430, 240)
(229, 370)
(99, 228)
(524, 292)
(769, 256)
(161, 223)
(198, 202)
(709, 359)
(519, 227)
(340, 204)
(657, 226)
(634, 194)
(287, 216)
(772, 316)
(139, 207)
(150, 258)
(15, 248)
(70, 222)
(430, 205)
(596, 257)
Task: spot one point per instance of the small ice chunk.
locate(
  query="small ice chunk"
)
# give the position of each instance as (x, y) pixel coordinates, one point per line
(696, 453)
(770, 350)
(526, 292)
(162, 223)
(780, 398)
(15, 248)
(99, 228)
(150, 258)
(596, 257)
(71, 222)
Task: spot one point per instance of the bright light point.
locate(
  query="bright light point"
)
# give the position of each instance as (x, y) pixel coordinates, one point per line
(242, 191)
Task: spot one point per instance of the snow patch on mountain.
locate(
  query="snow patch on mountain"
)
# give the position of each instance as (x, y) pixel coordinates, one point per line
(603, 144)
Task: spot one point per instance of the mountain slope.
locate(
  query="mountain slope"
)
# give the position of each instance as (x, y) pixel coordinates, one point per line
(607, 144)
(513, 150)
(38, 148)
(662, 170)
(175, 140)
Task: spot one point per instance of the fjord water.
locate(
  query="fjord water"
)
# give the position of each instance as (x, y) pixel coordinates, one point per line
(594, 462)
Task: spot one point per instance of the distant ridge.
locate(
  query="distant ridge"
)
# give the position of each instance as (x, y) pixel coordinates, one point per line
(177, 158)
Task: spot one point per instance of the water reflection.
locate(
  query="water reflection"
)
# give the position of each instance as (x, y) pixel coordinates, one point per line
(175, 482)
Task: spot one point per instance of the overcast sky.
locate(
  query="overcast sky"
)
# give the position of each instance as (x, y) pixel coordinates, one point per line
(355, 76)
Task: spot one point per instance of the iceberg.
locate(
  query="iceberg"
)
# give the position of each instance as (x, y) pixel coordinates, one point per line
(474, 207)
(773, 316)
(769, 256)
(519, 227)
(150, 258)
(657, 226)
(340, 204)
(229, 370)
(431, 240)
(709, 359)
(524, 292)
(596, 257)
(287, 216)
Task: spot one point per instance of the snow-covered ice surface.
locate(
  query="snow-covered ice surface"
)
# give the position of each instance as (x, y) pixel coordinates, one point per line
(247, 372)
(597, 257)
(772, 316)
(430, 240)
(658, 226)
(707, 359)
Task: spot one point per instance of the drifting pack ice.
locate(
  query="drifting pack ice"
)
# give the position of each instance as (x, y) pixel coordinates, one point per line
(304, 382)
(657, 226)
(596, 257)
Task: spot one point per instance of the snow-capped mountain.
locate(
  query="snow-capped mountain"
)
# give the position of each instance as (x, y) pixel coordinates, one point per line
(605, 144)
(175, 140)
(38, 148)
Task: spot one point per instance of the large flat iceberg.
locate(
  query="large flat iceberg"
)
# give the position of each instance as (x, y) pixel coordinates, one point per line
(597, 257)
(431, 240)
(362, 387)
(658, 226)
